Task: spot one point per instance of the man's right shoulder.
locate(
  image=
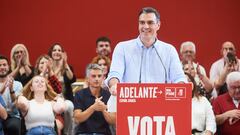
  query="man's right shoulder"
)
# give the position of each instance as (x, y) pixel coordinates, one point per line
(82, 91)
(218, 62)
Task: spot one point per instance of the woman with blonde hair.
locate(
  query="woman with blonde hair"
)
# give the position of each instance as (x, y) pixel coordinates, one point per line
(20, 65)
(38, 104)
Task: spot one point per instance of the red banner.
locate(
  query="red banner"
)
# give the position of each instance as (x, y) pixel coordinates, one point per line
(154, 109)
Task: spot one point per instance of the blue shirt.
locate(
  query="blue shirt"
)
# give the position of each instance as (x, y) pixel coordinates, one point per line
(134, 63)
(10, 107)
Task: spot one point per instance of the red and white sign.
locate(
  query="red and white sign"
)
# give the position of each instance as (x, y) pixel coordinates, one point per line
(154, 109)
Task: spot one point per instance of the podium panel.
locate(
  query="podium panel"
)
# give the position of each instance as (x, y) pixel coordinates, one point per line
(154, 109)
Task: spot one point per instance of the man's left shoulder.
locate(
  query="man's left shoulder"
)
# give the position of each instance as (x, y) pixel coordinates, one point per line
(165, 45)
(105, 93)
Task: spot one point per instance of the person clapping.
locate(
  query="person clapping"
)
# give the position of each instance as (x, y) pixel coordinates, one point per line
(38, 104)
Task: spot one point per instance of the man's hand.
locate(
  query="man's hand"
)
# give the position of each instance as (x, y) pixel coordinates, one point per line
(229, 67)
(232, 120)
(10, 83)
(113, 90)
(112, 83)
(233, 114)
(4, 86)
(99, 105)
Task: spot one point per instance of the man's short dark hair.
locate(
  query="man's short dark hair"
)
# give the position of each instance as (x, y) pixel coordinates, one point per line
(103, 39)
(4, 58)
(150, 10)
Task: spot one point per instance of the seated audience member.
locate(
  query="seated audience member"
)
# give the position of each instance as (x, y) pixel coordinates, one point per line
(9, 89)
(21, 68)
(38, 95)
(104, 62)
(222, 67)
(204, 83)
(103, 46)
(64, 72)
(203, 119)
(3, 114)
(188, 56)
(226, 107)
(90, 109)
(43, 67)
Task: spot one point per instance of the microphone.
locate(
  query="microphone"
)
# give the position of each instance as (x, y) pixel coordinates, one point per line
(165, 71)
(140, 75)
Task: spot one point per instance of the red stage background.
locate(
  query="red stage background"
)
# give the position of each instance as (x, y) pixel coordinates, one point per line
(77, 23)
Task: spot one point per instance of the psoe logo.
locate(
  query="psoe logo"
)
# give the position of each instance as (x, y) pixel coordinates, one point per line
(170, 92)
(180, 92)
(175, 92)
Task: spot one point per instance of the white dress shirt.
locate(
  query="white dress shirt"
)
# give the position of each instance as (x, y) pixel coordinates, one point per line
(203, 117)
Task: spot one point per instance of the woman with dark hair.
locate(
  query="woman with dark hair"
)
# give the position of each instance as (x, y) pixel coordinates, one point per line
(203, 119)
(39, 96)
(64, 72)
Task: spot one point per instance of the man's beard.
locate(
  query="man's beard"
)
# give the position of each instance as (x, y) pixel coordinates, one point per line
(4, 75)
(104, 53)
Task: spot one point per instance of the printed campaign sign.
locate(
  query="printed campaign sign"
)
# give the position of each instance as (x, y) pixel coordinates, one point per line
(154, 109)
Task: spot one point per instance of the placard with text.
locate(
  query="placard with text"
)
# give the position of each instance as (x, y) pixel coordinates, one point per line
(154, 109)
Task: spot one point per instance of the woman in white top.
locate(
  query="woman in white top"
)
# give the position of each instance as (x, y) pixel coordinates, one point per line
(38, 107)
(203, 119)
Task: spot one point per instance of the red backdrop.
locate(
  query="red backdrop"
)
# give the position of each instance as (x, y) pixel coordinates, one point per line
(77, 23)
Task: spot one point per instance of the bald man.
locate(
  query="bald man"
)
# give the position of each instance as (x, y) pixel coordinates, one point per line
(222, 67)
